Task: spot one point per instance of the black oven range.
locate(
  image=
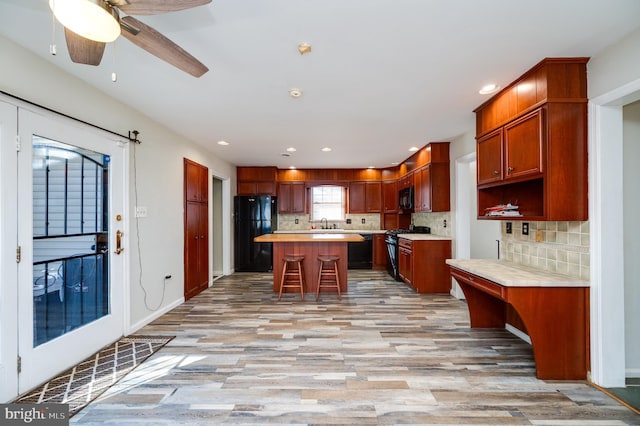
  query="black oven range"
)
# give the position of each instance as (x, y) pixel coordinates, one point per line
(391, 239)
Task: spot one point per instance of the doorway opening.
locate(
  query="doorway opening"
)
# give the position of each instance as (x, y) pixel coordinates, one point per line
(217, 249)
(475, 239)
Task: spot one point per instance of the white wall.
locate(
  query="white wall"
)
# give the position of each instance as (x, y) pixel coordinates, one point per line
(159, 171)
(484, 234)
(631, 176)
(614, 80)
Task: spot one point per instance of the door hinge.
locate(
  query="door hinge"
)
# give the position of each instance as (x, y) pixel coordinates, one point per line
(18, 254)
(18, 144)
(19, 364)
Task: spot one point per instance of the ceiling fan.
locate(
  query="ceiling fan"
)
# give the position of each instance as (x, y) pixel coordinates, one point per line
(90, 24)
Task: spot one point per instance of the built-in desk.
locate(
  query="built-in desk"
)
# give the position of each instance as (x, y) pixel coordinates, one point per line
(554, 308)
(310, 245)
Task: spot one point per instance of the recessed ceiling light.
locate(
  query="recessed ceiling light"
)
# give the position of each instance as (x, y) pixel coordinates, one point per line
(371, 167)
(488, 89)
(292, 167)
(413, 148)
(304, 48)
(326, 149)
(223, 143)
(395, 163)
(295, 93)
(291, 149)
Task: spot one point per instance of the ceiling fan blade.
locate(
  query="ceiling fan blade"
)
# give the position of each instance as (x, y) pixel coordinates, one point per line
(157, 44)
(82, 50)
(153, 7)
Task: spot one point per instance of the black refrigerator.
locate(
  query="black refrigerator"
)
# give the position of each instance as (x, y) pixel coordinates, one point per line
(253, 216)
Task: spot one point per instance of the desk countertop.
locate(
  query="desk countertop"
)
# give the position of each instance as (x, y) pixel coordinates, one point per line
(309, 238)
(511, 274)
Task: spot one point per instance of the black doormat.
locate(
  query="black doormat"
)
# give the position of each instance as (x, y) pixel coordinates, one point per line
(83, 383)
(628, 396)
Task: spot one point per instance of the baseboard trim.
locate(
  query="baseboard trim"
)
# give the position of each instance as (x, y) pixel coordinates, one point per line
(632, 373)
(154, 315)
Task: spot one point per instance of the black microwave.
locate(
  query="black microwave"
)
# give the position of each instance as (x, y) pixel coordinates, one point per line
(406, 198)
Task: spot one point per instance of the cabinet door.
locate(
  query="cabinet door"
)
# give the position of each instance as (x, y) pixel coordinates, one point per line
(297, 198)
(404, 264)
(425, 189)
(417, 191)
(523, 146)
(390, 196)
(196, 252)
(380, 252)
(373, 197)
(265, 188)
(489, 157)
(357, 194)
(439, 198)
(247, 188)
(195, 181)
(284, 198)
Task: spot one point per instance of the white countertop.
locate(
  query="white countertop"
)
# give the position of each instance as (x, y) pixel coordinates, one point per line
(511, 274)
(423, 237)
(330, 231)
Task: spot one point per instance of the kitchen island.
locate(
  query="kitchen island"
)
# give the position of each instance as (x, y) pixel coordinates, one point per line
(310, 245)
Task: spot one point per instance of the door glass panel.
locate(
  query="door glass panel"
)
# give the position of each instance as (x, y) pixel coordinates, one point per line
(70, 238)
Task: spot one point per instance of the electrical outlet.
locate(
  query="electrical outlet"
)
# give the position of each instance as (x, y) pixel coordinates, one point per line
(525, 228)
(348, 221)
(297, 221)
(363, 220)
(141, 211)
(508, 227)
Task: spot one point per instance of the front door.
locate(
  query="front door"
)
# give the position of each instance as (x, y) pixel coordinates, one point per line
(70, 233)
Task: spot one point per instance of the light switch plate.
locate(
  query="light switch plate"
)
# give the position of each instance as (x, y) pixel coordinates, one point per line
(525, 228)
(141, 211)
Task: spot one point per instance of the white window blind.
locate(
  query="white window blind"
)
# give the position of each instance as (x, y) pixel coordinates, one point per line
(327, 202)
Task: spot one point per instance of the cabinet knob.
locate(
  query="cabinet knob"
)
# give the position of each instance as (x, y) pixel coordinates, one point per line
(510, 169)
(495, 172)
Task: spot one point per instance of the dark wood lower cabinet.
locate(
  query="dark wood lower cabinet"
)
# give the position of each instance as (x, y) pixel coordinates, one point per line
(196, 230)
(421, 264)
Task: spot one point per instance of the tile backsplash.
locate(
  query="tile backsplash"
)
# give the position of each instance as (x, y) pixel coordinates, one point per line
(287, 222)
(561, 247)
(440, 223)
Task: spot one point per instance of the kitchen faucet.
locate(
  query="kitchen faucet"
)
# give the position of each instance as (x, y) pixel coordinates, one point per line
(326, 223)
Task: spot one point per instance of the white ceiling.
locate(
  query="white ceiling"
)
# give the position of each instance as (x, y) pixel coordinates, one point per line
(384, 75)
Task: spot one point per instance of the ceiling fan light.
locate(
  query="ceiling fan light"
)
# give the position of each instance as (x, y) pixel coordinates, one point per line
(92, 19)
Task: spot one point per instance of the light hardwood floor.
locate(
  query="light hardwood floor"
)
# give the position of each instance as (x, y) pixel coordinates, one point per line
(382, 355)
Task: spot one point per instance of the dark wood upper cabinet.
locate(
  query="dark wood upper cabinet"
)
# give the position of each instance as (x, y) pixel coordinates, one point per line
(196, 181)
(373, 197)
(291, 197)
(256, 180)
(432, 182)
(523, 144)
(532, 143)
(390, 196)
(365, 197)
(489, 157)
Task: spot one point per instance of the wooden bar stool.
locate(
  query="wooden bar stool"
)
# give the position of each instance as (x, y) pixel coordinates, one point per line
(292, 277)
(328, 276)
